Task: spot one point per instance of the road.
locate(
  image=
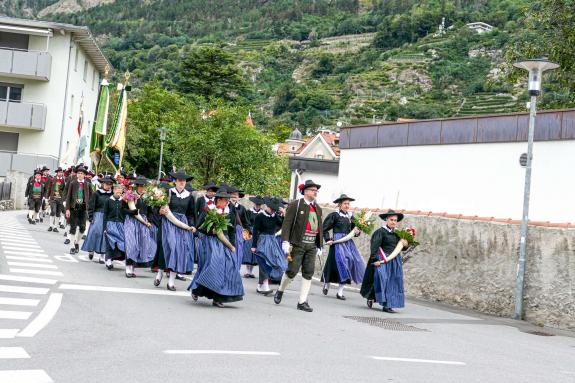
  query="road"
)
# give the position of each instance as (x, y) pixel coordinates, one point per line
(67, 319)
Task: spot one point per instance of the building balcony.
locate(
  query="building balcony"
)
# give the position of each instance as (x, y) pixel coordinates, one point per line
(22, 115)
(18, 63)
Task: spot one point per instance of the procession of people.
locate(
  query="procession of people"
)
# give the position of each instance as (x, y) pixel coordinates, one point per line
(107, 215)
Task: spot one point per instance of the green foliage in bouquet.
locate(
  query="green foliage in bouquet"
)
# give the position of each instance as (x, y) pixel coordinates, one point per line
(155, 196)
(408, 235)
(364, 221)
(215, 222)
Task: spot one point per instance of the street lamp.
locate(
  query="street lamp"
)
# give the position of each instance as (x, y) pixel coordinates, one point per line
(163, 131)
(536, 67)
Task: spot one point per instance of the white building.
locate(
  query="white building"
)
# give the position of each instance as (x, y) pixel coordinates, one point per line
(49, 82)
(468, 166)
(480, 27)
(314, 158)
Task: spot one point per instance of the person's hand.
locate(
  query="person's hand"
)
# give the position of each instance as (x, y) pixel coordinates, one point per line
(253, 249)
(356, 231)
(329, 243)
(285, 247)
(405, 243)
(163, 210)
(376, 263)
(318, 252)
(192, 229)
(149, 225)
(67, 214)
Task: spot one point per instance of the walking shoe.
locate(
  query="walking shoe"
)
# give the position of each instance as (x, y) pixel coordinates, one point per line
(91, 255)
(304, 307)
(101, 261)
(55, 230)
(73, 250)
(325, 290)
(110, 266)
(218, 304)
(194, 297)
(77, 247)
(171, 288)
(340, 297)
(180, 277)
(84, 236)
(62, 227)
(33, 222)
(388, 310)
(67, 241)
(369, 303)
(278, 297)
(50, 228)
(157, 282)
(65, 234)
(29, 221)
(262, 292)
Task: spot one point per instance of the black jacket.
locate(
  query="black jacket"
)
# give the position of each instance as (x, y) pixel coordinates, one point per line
(337, 223)
(116, 211)
(73, 190)
(266, 225)
(97, 202)
(30, 187)
(184, 206)
(53, 188)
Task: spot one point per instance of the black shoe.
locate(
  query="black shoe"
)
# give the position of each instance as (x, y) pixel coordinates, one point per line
(325, 291)
(65, 234)
(340, 297)
(218, 304)
(62, 227)
(304, 307)
(171, 288)
(278, 297)
(369, 303)
(29, 221)
(55, 230)
(180, 277)
(194, 297)
(266, 293)
(73, 250)
(388, 310)
(50, 228)
(77, 247)
(157, 282)
(90, 255)
(67, 241)
(110, 266)
(84, 236)
(33, 222)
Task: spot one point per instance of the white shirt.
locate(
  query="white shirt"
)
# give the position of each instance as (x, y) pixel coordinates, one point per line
(184, 194)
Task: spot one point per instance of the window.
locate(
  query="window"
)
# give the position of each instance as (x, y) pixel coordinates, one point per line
(14, 40)
(8, 142)
(85, 70)
(76, 59)
(10, 92)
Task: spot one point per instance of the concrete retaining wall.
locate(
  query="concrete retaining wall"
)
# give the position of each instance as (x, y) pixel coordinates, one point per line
(19, 181)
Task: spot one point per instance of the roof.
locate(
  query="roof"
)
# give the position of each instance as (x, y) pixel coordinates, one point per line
(82, 34)
(330, 138)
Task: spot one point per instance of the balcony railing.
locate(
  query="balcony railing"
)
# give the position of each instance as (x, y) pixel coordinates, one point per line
(23, 115)
(25, 64)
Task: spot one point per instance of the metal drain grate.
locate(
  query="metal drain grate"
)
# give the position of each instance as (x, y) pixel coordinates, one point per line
(386, 324)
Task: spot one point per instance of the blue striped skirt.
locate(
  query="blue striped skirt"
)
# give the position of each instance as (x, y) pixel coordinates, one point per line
(115, 236)
(218, 275)
(141, 242)
(271, 257)
(249, 258)
(95, 240)
(388, 284)
(240, 241)
(350, 264)
(178, 245)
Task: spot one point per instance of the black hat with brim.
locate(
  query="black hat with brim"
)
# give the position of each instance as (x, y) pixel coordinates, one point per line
(222, 193)
(59, 169)
(390, 213)
(241, 193)
(211, 186)
(342, 198)
(81, 169)
(107, 180)
(45, 168)
(140, 181)
(272, 203)
(37, 171)
(308, 184)
(257, 200)
(181, 176)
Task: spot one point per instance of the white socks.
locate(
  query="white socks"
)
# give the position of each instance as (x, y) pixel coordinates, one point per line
(102, 257)
(284, 283)
(304, 291)
(265, 286)
(159, 275)
(340, 289)
(31, 214)
(172, 278)
(250, 269)
(108, 262)
(130, 269)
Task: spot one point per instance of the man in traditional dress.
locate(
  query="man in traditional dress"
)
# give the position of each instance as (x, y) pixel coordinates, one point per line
(302, 231)
(34, 193)
(79, 193)
(55, 196)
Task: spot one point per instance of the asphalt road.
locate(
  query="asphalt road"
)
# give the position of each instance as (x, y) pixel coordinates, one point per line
(68, 319)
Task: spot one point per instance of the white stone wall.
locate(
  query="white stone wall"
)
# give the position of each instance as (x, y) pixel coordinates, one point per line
(474, 179)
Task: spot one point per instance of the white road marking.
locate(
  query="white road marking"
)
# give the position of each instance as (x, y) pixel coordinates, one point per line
(13, 353)
(19, 242)
(29, 259)
(37, 272)
(12, 248)
(25, 376)
(23, 289)
(26, 240)
(220, 352)
(8, 333)
(24, 264)
(8, 314)
(418, 360)
(18, 301)
(66, 286)
(44, 317)
(39, 255)
(16, 278)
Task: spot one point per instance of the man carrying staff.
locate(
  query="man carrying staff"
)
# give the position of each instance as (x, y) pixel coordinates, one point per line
(79, 193)
(302, 230)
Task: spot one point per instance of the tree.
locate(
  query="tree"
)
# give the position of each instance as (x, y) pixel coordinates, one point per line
(211, 72)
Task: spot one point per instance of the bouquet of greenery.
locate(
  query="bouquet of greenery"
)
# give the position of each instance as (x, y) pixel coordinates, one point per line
(154, 196)
(364, 221)
(217, 223)
(409, 235)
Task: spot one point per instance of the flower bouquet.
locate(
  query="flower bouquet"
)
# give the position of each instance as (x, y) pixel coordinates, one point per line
(364, 222)
(407, 234)
(131, 197)
(217, 223)
(156, 196)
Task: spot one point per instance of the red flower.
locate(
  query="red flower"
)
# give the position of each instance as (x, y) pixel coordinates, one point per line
(206, 208)
(411, 231)
(300, 186)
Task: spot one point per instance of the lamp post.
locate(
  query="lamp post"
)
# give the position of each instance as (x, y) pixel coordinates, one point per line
(163, 131)
(536, 68)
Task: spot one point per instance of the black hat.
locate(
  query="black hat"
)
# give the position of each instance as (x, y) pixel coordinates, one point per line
(342, 198)
(222, 193)
(257, 200)
(59, 169)
(241, 193)
(272, 203)
(132, 175)
(37, 171)
(211, 186)
(181, 176)
(45, 168)
(389, 213)
(108, 179)
(140, 181)
(308, 184)
(82, 169)
(229, 188)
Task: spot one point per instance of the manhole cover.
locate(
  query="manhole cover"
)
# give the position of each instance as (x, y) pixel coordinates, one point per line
(386, 324)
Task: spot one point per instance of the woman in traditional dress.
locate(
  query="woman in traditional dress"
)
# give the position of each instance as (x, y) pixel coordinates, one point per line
(95, 240)
(178, 243)
(139, 232)
(344, 263)
(159, 262)
(115, 211)
(249, 258)
(271, 258)
(218, 277)
(383, 280)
